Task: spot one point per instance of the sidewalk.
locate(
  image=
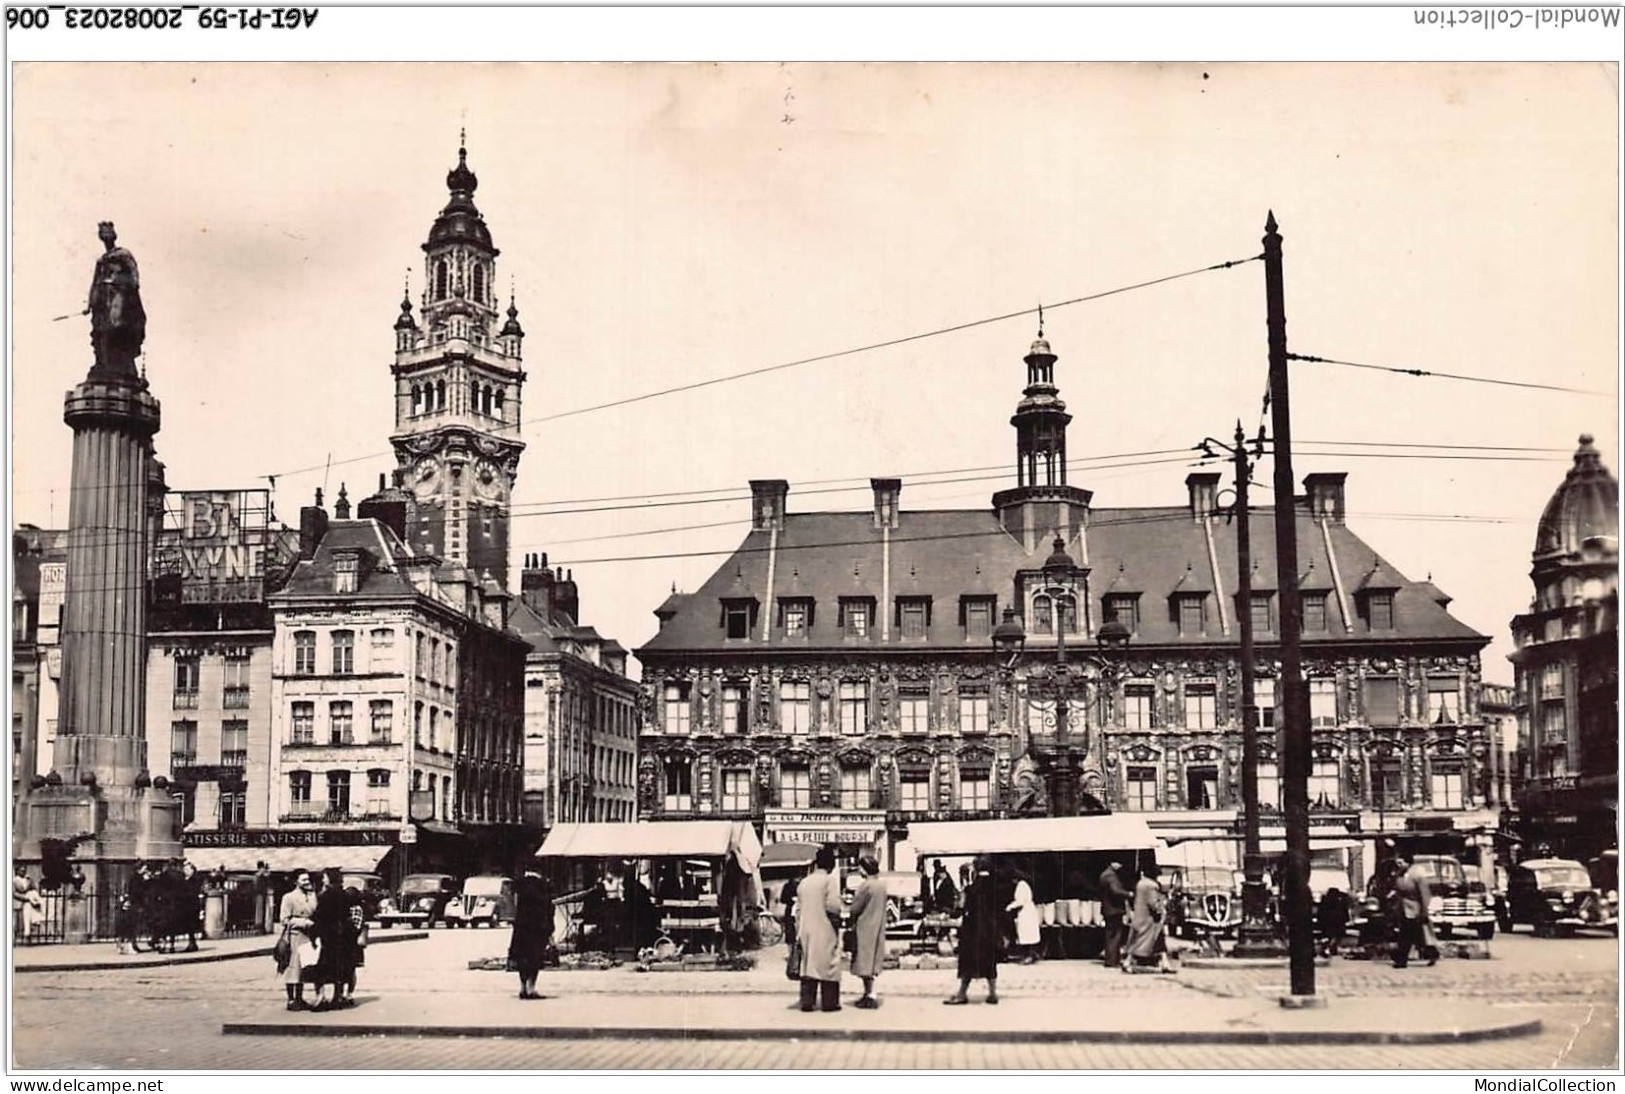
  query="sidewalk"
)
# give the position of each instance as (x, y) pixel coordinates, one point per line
(93, 956)
(1191, 1018)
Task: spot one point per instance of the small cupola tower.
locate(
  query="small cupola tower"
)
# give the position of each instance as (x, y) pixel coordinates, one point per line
(458, 381)
(1041, 502)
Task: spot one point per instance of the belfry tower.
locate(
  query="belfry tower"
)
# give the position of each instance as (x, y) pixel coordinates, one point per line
(458, 383)
(1042, 504)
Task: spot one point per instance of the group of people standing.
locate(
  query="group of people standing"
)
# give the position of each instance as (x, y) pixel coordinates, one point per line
(326, 935)
(817, 913)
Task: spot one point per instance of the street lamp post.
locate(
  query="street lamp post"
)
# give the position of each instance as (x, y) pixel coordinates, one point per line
(1060, 763)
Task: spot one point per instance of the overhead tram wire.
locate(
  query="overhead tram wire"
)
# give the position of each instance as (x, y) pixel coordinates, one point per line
(888, 343)
(1190, 459)
(1170, 514)
(1311, 359)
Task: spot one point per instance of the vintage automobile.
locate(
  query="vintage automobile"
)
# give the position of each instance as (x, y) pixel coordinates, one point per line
(487, 899)
(1604, 871)
(1454, 904)
(1209, 903)
(422, 900)
(1554, 896)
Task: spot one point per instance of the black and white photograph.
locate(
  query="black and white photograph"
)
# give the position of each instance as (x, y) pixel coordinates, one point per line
(662, 557)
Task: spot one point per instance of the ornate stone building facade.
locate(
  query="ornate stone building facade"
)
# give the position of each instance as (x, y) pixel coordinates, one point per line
(1566, 663)
(835, 676)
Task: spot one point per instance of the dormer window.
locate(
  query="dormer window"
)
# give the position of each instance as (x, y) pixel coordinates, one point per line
(1045, 609)
(795, 616)
(1190, 612)
(1123, 607)
(1380, 609)
(1263, 619)
(976, 616)
(739, 616)
(346, 568)
(857, 616)
(913, 616)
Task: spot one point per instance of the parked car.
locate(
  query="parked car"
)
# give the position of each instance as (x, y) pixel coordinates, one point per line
(422, 900)
(1604, 871)
(1209, 903)
(1554, 896)
(1454, 903)
(487, 899)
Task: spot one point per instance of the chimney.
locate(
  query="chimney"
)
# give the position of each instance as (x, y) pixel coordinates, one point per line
(341, 508)
(536, 585)
(1204, 490)
(565, 599)
(887, 492)
(767, 504)
(387, 507)
(1325, 492)
(312, 527)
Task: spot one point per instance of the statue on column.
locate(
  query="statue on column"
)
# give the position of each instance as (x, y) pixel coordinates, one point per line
(118, 323)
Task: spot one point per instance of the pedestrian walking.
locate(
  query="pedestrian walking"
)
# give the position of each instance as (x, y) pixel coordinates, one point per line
(532, 930)
(296, 912)
(1147, 942)
(1114, 902)
(1027, 920)
(1411, 905)
(869, 928)
(818, 932)
(981, 932)
(330, 928)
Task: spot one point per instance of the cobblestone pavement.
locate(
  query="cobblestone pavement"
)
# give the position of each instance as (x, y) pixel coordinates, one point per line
(169, 1019)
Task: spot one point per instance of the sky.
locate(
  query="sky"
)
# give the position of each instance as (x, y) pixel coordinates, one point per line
(666, 224)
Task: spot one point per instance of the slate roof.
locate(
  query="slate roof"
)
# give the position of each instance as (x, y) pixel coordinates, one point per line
(313, 577)
(947, 554)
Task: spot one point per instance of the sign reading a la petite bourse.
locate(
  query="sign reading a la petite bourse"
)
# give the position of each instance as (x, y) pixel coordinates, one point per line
(277, 837)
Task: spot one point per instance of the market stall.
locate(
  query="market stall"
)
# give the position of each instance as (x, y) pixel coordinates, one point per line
(687, 886)
(1062, 858)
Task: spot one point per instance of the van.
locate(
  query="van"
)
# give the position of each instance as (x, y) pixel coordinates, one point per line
(486, 898)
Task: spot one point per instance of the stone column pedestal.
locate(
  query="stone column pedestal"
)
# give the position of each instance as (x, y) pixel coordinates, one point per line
(214, 913)
(76, 920)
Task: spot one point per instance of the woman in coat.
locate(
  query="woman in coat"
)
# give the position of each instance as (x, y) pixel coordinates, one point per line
(869, 925)
(330, 927)
(1027, 923)
(1146, 946)
(296, 912)
(981, 930)
(532, 931)
(818, 918)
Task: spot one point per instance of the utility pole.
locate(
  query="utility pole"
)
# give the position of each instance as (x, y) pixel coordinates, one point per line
(1257, 935)
(1295, 699)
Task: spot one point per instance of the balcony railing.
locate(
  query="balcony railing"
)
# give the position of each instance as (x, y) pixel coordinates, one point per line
(235, 758)
(182, 759)
(234, 699)
(186, 700)
(324, 815)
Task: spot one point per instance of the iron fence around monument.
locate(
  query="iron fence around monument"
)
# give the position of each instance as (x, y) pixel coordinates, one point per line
(54, 924)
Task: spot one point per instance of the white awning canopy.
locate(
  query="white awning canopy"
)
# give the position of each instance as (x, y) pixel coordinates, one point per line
(1112, 832)
(361, 859)
(655, 839)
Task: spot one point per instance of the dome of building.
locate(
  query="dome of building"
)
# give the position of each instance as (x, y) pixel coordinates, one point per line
(1585, 507)
(460, 221)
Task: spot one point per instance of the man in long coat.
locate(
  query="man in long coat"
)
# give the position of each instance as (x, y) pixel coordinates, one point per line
(818, 918)
(1114, 901)
(981, 933)
(869, 925)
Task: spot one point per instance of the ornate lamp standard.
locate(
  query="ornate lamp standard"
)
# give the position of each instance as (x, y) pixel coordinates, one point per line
(1059, 759)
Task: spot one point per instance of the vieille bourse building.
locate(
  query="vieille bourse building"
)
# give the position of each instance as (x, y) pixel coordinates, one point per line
(834, 679)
